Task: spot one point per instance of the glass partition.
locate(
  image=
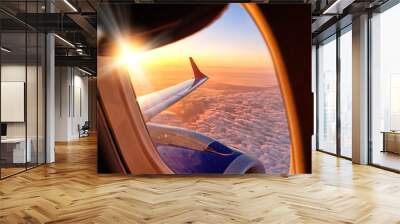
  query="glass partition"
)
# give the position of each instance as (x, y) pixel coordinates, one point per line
(22, 92)
(327, 96)
(41, 96)
(385, 89)
(346, 93)
(13, 105)
(31, 100)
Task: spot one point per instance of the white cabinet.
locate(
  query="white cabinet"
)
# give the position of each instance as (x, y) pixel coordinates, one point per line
(17, 147)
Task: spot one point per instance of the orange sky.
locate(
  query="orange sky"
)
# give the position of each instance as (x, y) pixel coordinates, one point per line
(231, 50)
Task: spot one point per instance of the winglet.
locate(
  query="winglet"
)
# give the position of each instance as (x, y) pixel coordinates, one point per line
(197, 73)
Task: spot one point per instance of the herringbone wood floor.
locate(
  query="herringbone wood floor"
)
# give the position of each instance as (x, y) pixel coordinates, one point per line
(70, 191)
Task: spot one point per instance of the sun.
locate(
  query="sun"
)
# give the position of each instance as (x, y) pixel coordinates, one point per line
(130, 56)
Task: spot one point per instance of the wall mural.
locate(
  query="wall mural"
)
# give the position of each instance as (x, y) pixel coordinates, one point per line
(193, 89)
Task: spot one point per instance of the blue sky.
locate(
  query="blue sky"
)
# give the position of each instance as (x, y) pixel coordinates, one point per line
(232, 40)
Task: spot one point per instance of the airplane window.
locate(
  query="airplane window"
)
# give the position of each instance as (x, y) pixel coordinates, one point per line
(212, 102)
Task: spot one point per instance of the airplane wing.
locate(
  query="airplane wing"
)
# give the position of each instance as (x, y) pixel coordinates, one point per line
(154, 103)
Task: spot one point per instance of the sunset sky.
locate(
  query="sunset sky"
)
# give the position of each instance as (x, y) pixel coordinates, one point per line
(230, 50)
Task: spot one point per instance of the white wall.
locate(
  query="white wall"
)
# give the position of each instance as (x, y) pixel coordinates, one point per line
(12, 73)
(71, 102)
(62, 81)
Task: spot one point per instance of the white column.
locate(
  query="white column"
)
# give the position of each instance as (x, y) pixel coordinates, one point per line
(50, 99)
(50, 92)
(360, 89)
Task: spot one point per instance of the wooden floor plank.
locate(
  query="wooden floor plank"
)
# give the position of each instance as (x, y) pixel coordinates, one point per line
(70, 191)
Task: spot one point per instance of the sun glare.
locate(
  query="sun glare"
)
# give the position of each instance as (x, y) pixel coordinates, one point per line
(132, 58)
(129, 56)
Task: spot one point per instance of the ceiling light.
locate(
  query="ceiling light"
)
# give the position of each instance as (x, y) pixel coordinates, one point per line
(84, 71)
(337, 7)
(5, 50)
(79, 51)
(70, 5)
(65, 41)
